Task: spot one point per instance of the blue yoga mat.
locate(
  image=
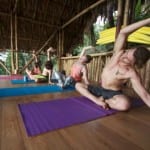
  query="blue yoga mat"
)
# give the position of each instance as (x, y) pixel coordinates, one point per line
(28, 90)
(22, 81)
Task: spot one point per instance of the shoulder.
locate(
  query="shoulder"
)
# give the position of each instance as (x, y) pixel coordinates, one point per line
(132, 73)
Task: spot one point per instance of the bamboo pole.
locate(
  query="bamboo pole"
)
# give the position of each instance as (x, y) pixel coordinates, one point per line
(59, 42)
(59, 48)
(62, 43)
(16, 44)
(126, 13)
(11, 40)
(119, 18)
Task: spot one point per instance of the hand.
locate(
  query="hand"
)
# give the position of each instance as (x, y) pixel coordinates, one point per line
(105, 106)
(33, 55)
(51, 50)
(101, 102)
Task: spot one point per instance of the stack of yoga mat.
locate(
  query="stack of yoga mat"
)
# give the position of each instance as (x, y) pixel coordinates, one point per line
(11, 77)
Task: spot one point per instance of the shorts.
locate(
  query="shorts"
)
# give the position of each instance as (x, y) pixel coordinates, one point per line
(69, 82)
(99, 91)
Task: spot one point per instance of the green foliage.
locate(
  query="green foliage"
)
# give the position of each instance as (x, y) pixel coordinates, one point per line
(77, 50)
(97, 29)
(141, 12)
(21, 60)
(138, 9)
(86, 40)
(2, 71)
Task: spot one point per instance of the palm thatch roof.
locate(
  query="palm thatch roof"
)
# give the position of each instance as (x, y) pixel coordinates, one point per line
(27, 24)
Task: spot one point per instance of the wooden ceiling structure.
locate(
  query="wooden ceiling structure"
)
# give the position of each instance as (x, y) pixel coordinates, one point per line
(34, 24)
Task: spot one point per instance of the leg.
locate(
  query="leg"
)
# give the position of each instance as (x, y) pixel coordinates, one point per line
(59, 77)
(68, 81)
(30, 74)
(119, 102)
(82, 89)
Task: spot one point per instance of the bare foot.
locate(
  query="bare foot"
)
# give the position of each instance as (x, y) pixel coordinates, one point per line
(101, 102)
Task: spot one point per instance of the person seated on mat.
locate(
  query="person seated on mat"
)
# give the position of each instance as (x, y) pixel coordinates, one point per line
(79, 71)
(47, 71)
(117, 72)
(36, 69)
(59, 77)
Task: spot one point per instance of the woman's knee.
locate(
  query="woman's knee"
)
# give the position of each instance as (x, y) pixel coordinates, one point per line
(125, 105)
(79, 85)
(121, 103)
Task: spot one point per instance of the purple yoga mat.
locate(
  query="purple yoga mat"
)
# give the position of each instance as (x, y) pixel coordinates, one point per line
(40, 117)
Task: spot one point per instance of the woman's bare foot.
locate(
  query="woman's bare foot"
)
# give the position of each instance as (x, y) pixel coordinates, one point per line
(101, 102)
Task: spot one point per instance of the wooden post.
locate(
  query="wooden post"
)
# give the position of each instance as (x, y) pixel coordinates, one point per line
(16, 44)
(11, 38)
(59, 42)
(126, 13)
(60, 46)
(119, 18)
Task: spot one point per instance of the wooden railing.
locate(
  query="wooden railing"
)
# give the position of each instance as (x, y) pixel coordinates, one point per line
(95, 67)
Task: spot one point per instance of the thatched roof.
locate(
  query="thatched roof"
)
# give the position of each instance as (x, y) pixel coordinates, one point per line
(39, 20)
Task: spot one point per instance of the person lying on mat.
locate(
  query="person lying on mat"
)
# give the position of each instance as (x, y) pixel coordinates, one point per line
(79, 71)
(117, 72)
(47, 71)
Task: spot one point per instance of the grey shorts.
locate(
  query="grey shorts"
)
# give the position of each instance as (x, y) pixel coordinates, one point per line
(69, 82)
(99, 91)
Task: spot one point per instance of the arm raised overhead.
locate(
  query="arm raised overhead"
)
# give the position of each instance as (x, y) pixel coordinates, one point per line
(124, 33)
(85, 49)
